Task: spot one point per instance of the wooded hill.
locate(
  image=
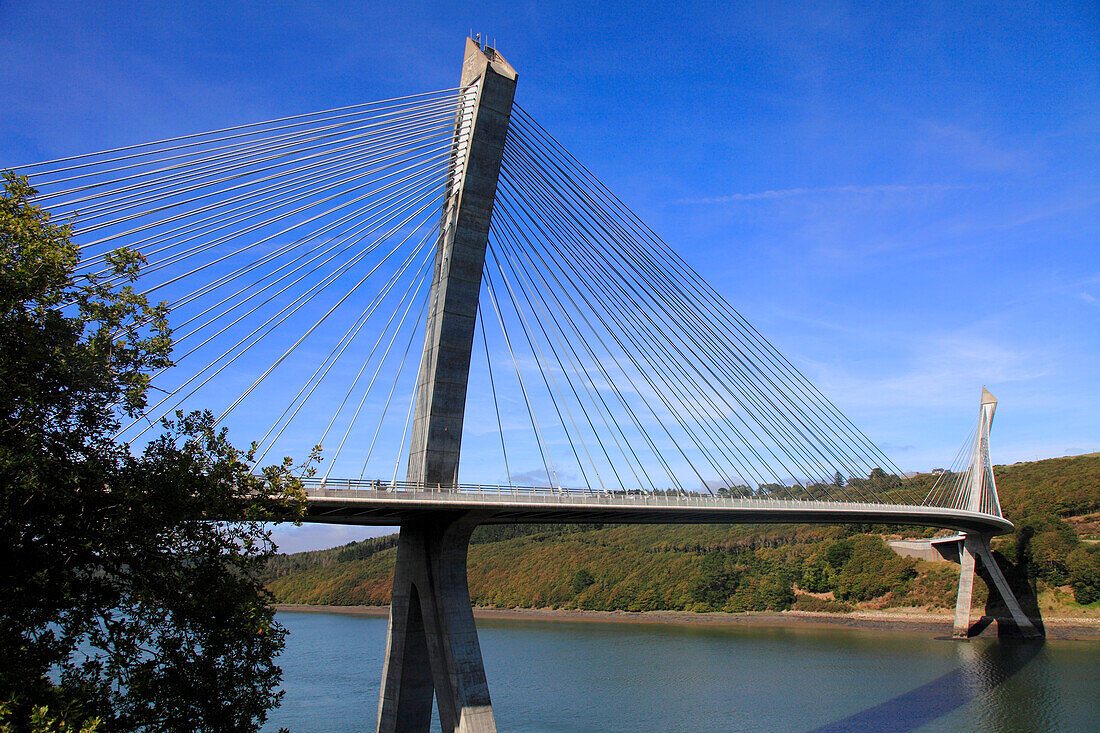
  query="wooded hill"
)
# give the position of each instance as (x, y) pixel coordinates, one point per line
(1054, 503)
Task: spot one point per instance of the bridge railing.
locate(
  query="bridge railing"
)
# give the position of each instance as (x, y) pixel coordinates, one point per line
(494, 493)
(407, 489)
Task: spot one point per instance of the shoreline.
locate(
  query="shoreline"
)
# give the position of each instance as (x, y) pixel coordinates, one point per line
(1069, 629)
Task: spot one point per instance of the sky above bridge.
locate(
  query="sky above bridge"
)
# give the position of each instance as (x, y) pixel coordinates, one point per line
(906, 201)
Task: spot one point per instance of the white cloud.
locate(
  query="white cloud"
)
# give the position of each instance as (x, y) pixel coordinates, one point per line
(787, 193)
(945, 372)
(322, 536)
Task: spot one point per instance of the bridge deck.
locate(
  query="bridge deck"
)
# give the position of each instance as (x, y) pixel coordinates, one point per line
(328, 503)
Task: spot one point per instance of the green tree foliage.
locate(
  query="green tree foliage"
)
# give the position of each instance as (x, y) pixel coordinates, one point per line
(1083, 563)
(581, 580)
(1039, 497)
(129, 592)
(717, 582)
(871, 570)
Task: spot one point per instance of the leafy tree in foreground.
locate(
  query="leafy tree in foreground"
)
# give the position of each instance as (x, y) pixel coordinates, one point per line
(128, 588)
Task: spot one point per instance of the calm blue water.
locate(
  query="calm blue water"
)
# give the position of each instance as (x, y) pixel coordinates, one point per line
(553, 676)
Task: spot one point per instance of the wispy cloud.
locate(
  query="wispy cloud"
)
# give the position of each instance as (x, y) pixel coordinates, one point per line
(537, 477)
(321, 536)
(944, 372)
(977, 150)
(788, 193)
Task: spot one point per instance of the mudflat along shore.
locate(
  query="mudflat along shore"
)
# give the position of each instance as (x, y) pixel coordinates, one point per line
(1082, 629)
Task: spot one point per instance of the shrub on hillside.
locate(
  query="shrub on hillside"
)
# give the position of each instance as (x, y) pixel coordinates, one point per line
(813, 604)
(1042, 544)
(1083, 564)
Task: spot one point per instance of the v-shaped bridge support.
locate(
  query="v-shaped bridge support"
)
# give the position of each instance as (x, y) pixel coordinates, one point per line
(974, 547)
(432, 647)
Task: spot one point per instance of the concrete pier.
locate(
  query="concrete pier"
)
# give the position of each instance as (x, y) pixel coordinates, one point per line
(965, 597)
(432, 646)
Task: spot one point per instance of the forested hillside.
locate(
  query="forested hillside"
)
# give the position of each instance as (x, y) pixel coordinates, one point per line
(1055, 504)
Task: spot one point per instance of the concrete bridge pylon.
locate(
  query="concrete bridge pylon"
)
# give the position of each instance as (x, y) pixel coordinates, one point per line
(432, 648)
(981, 496)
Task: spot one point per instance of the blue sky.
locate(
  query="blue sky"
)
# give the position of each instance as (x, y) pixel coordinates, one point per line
(904, 198)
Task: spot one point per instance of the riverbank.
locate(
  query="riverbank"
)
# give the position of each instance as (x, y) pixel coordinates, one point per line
(1056, 628)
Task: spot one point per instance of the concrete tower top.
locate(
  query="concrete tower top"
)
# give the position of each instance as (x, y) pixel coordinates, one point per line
(477, 58)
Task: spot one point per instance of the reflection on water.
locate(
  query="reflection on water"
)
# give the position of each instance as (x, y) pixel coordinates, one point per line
(551, 676)
(981, 670)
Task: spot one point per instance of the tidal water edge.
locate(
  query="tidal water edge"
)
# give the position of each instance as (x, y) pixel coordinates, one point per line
(563, 676)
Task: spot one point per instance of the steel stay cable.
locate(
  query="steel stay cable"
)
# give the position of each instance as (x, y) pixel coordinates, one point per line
(164, 263)
(539, 308)
(673, 385)
(214, 192)
(268, 238)
(426, 148)
(322, 370)
(373, 306)
(404, 433)
(339, 174)
(677, 361)
(559, 287)
(420, 179)
(546, 462)
(654, 281)
(234, 127)
(343, 164)
(252, 190)
(311, 190)
(255, 143)
(833, 459)
(169, 189)
(708, 456)
(803, 467)
(389, 397)
(503, 242)
(493, 389)
(381, 361)
(307, 333)
(412, 194)
(281, 315)
(172, 259)
(544, 370)
(694, 276)
(390, 215)
(517, 232)
(962, 478)
(940, 480)
(653, 387)
(501, 203)
(325, 366)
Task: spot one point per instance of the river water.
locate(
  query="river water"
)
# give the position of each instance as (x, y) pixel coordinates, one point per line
(563, 676)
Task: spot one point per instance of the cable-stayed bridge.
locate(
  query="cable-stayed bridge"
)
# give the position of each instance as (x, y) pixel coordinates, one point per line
(411, 280)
